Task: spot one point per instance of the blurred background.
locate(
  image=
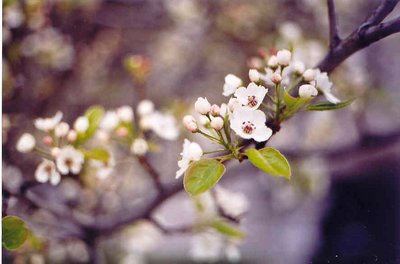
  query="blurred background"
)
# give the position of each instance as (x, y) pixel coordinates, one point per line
(343, 203)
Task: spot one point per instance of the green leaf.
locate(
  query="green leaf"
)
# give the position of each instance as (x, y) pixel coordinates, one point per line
(227, 229)
(14, 231)
(293, 104)
(270, 161)
(202, 175)
(328, 106)
(94, 115)
(97, 154)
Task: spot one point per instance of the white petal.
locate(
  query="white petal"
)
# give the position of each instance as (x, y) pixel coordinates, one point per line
(262, 133)
(55, 178)
(331, 98)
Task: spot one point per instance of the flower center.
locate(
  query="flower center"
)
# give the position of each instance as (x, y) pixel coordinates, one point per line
(248, 127)
(252, 101)
(48, 169)
(69, 162)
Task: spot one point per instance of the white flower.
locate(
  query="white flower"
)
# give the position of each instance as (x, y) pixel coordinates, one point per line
(145, 107)
(252, 96)
(206, 247)
(47, 124)
(164, 125)
(217, 123)
(69, 160)
(125, 113)
(290, 31)
(81, 124)
(254, 75)
(202, 106)
(250, 124)
(139, 147)
(103, 168)
(110, 121)
(191, 152)
(232, 82)
(272, 62)
(325, 86)
(47, 171)
(190, 123)
(309, 75)
(234, 203)
(61, 130)
(299, 67)
(223, 110)
(307, 91)
(283, 57)
(26, 143)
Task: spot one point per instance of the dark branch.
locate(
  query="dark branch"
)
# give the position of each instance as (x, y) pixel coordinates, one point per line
(334, 38)
(152, 172)
(380, 13)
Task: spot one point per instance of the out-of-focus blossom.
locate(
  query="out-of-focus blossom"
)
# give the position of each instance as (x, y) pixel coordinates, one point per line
(110, 121)
(139, 147)
(81, 124)
(103, 168)
(234, 203)
(141, 237)
(283, 57)
(26, 143)
(47, 124)
(232, 82)
(125, 113)
(145, 107)
(69, 160)
(46, 171)
(61, 130)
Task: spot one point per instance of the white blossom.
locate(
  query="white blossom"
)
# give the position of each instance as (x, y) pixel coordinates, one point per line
(232, 82)
(299, 67)
(234, 203)
(110, 121)
(72, 136)
(190, 123)
(252, 96)
(325, 86)
(290, 31)
(250, 124)
(254, 75)
(139, 147)
(125, 113)
(103, 168)
(26, 143)
(276, 78)
(206, 247)
(191, 152)
(309, 75)
(61, 130)
(217, 123)
(81, 124)
(307, 91)
(46, 171)
(272, 62)
(69, 160)
(202, 106)
(47, 124)
(145, 107)
(164, 125)
(215, 110)
(283, 57)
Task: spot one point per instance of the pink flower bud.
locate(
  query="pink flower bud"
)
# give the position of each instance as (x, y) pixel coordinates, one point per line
(215, 110)
(72, 135)
(217, 123)
(190, 123)
(47, 140)
(276, 78)
(122, 132)
(55, 152)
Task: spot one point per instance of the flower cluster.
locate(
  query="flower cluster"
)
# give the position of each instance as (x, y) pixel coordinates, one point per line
(67, 149)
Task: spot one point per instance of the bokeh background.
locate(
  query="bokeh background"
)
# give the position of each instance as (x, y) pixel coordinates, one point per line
(343, 204)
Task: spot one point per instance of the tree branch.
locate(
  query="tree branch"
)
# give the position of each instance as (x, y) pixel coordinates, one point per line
(334, 38)
(380, 13)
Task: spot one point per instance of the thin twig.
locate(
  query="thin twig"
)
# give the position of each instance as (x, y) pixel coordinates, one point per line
(152, 172)
(334, 38)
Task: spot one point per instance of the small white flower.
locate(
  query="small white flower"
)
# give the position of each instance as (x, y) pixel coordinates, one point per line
(102, 136)
(103, 168)
(217, 123)
(254, 75)
(252, 96)
(309, 75)
(125, 113)
(307, 91)
(139, 147)
(283, 57)
(69, 160)
(232, 82)
(272, 62)
(145, 107)
(61, 130)
(164, 125)
(26, 143)
(110, 121)
(325, 86)
(234, 203)
(299, 67)
(47, 124)
(250, 124)
(191, 152)
(202, 106)
(47, 171)
(190, 123)
(81, 124)
(72, 136)
(206, 247)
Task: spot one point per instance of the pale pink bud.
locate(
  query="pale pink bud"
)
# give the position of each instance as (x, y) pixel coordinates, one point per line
(55, 152)
(215, 110)
(47, 140)
(217, 123)
(254, 75)
(202, 106)
(299, 67)
(72, 136)
(307, 91)
(190, 123)
(122, 132)
(272, 62)
(309, 75)
(283, 57)
(276, 78)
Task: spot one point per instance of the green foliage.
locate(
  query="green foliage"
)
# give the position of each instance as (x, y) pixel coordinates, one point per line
(94, 115)
(14, 231)
(270, 161)
(328, 106)
(293, 104)
(97, 154)
(202, 175)
(227, 229)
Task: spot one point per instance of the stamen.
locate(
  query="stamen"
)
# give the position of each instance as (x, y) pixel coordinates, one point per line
(252, 101)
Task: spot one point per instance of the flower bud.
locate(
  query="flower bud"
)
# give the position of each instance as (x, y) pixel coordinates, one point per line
(190, 123)
(276, 78)
(217, 123)
(61, 130)
(139, 147)
(215, 110)
(233, 104)
(203, 120)
(309, 75)
(55, 152)
(299, 67)
(125, 113)
(273, 62)
(26, 143)
(102, 136)
(254, 75)
(283, 57)
(47, 140)
(202, 106)
(72, 136)
(122, 132)
(307, 91)
(81, 124)
(145, 107)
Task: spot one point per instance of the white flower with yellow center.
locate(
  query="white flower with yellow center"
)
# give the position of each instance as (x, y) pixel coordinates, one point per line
(250, 124)
(252, 96)
(47, 124)
(69, 160)
(325, 86)
(191, 152)
(46, 171)
(232, 82)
